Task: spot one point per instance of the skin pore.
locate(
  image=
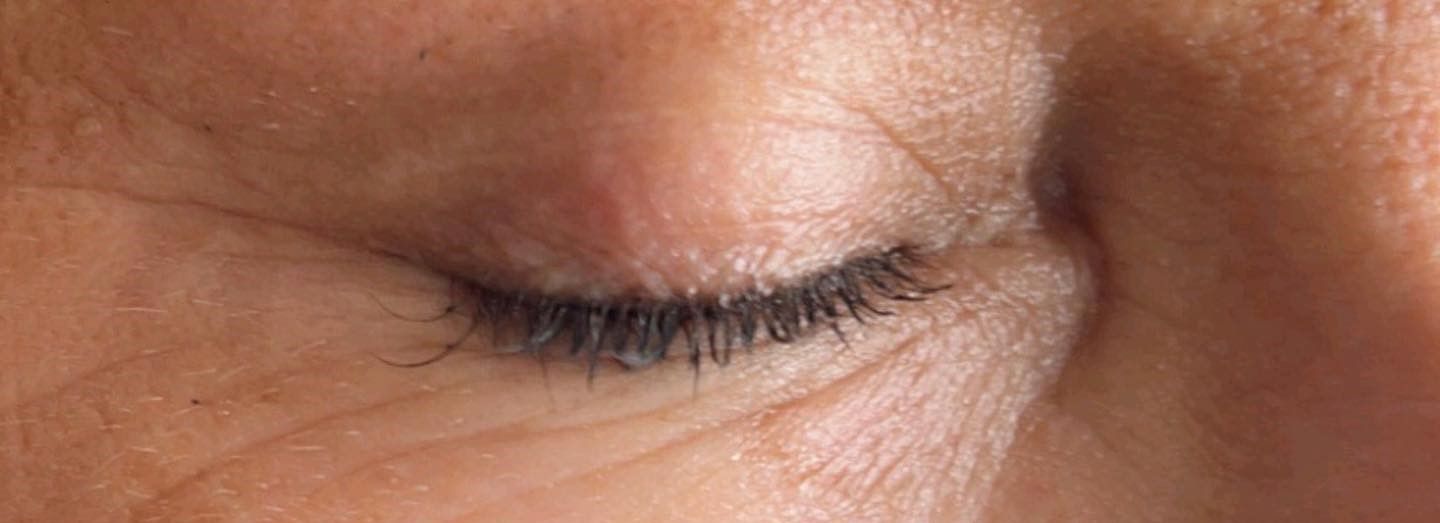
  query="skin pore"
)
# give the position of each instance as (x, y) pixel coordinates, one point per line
(1191, 246)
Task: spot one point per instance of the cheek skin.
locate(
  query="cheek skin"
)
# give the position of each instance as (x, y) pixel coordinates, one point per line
(1262, 183)
(292, 414)
(1246, 289)
(1256, 182)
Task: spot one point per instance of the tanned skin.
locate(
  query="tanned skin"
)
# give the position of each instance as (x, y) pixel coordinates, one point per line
(1191, 248)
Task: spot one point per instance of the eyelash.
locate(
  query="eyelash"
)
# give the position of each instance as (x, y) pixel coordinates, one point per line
(640, 333)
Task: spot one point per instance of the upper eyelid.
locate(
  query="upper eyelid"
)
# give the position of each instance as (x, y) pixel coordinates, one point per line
(640, 332)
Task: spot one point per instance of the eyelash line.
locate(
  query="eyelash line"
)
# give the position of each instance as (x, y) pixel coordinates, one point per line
(639, 333)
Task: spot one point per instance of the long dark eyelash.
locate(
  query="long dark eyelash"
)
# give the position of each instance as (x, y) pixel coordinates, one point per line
(639, 333)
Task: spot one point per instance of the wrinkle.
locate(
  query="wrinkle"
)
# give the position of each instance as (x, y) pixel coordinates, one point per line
(70, 384)
(912, 151)
(599, 471)
(211, 208)
(817, 476)
(172, 489)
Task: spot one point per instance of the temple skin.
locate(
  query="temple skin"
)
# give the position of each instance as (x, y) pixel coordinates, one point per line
(1192, 248)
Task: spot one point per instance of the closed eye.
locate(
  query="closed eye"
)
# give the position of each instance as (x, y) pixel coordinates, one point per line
(638, 333)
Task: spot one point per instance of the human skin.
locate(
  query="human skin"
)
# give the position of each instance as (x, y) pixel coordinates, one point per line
(1191, 247)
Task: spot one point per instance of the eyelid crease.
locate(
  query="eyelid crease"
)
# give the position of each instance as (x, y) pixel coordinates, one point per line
(638, 333)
